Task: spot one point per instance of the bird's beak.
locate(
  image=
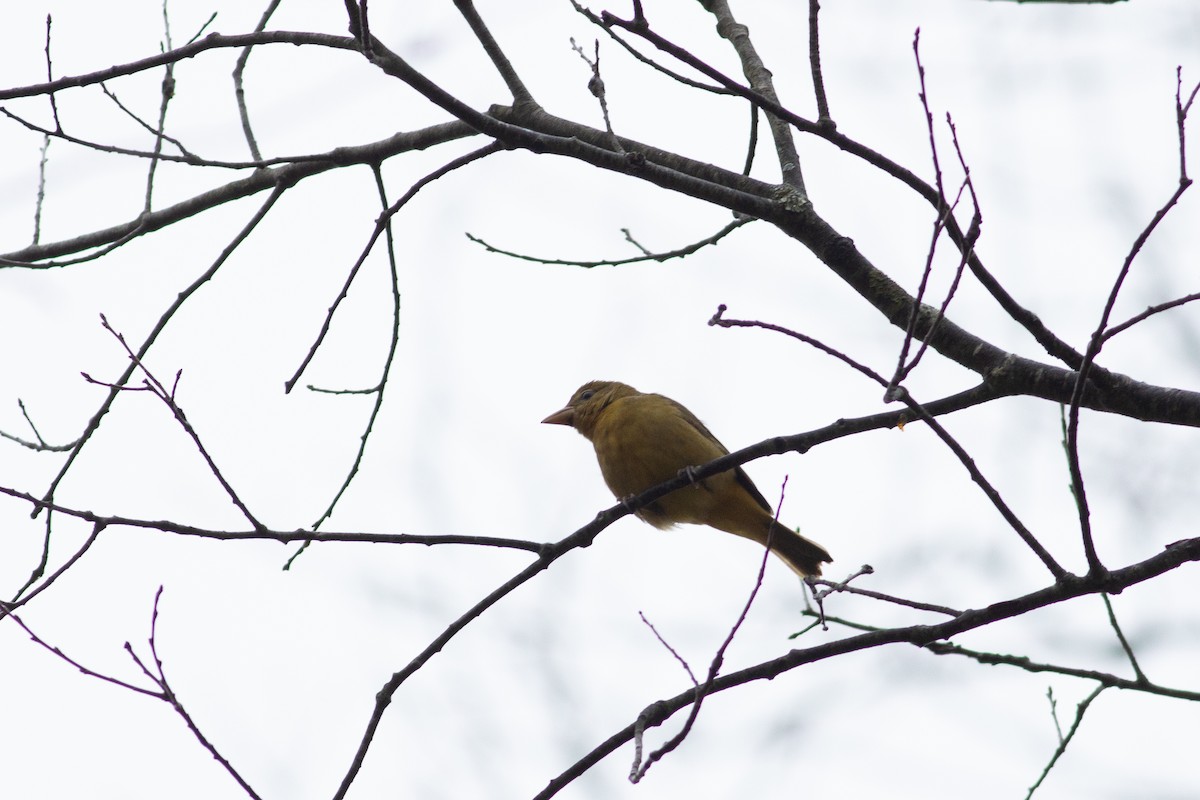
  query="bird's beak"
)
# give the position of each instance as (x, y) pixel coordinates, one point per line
(564, 416)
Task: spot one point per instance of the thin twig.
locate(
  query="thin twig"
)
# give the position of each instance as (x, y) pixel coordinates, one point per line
(185, 156)
(682, 661)
(700, 690)
(596, 87)
(211, 42)
(628, 234)
(966, 248)
(381, 226)
(660, 257)
(115, 388)
(989, 491)
(39, 569)
(1113, 330)
(239, 88)
(91, 673)
(40, 200)
(751, 140)
(931, 637)
(168, 92)
(1080, 710)
(282, 176)
(159, 677)
(393, 343)
(719, 320)
(683, 80)
(814, 64)
(945, 212)
(153, 385)
(1182, 108)
(1112, 620)
(655, 714)
(21, 597)
(50, 78)
(1029, 665)
(1054, 712)
(549, 554)
(834, 586)
(1026, 318)
(1096, 342)
(902, 394)
(41, 444)
(127, 111)
(819, 595)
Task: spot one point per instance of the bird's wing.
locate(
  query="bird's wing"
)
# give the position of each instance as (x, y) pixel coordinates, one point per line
(739, 474)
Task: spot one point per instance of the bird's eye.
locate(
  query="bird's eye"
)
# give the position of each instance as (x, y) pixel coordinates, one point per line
(587, 395)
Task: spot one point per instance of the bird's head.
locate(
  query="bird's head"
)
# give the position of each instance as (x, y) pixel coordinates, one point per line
(588, 403)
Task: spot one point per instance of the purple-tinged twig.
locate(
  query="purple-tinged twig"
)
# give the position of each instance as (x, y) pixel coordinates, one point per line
(932, 637)
(167, 694)
(866, 569)
(1113, 330)
(1096, 342)
(41, 444)
(116, 388)
(155, 387)
(945, 216)
(640, 768)
(670, 73)
(21, 598)
(902, 394)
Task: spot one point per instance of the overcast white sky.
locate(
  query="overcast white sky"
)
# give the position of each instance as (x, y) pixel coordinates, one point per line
(1066, 116)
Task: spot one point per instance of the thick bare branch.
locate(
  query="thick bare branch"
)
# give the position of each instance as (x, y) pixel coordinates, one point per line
(261, 180)
(918, 635)
(763, 84)
(213, 41)
(284, 537)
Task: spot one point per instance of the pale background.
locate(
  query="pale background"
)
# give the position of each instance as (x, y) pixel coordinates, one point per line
(1066, 116)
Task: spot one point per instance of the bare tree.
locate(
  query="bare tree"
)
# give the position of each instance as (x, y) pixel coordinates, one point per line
(225, 263)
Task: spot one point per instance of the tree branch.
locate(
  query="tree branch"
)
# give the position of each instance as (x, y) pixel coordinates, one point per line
(919, 635)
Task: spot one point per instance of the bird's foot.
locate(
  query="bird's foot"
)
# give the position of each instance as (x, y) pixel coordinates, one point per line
(689, 473)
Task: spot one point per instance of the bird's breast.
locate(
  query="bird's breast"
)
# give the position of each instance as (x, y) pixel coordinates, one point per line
(640, 444)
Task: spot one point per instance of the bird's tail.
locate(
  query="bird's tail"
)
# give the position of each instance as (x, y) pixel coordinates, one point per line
(803, 556)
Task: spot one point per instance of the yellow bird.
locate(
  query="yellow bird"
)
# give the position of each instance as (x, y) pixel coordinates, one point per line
(643, 440)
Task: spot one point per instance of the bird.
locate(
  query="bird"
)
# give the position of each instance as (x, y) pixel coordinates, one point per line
(643, 440)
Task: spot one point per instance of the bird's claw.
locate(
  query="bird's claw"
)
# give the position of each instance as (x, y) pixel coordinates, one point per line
(688, 472)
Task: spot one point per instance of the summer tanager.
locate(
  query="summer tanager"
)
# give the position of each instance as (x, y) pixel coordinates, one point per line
(642, 440)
